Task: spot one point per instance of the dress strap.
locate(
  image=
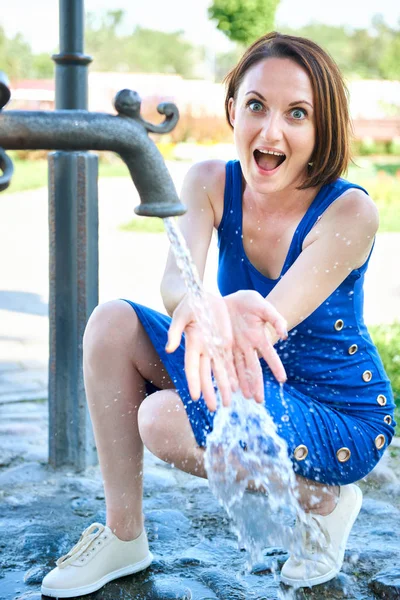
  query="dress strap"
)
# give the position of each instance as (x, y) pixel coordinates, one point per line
(231, 222)
(325, 197)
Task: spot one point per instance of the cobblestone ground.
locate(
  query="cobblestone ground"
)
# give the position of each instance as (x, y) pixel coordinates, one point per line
(43, 513)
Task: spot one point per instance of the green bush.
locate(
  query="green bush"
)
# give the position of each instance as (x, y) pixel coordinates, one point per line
(382, 181)
(395, 146)
(387, 340)
(144, 225)
(384, 189)
(368, 147)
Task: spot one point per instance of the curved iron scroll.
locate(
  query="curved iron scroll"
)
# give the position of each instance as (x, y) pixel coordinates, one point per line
(128, 102)
(5, 93)
(7, 167)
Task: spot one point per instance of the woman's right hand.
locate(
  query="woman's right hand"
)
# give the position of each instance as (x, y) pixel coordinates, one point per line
(206, 352)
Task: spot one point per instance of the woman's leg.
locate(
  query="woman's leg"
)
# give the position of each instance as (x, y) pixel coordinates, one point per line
(166, 432)
(117, 357)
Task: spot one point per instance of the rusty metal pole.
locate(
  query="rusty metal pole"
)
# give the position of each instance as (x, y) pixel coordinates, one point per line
(73, 228)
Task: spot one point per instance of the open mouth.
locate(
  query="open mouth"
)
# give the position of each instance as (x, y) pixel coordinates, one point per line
(268, 160)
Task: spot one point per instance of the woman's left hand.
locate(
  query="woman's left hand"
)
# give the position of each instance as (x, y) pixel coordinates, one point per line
(250, 315)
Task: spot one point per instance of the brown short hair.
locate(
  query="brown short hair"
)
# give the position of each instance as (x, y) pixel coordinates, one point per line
(331, 154)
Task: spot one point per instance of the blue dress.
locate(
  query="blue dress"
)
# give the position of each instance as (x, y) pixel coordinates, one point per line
(337, 417)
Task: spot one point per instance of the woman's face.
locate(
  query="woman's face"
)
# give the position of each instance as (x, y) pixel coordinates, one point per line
(273, 121)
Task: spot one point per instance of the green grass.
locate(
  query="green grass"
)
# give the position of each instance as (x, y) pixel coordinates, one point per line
(32, 174)
(382, 181)
(144, 225)
(387, 340)
(28, 175)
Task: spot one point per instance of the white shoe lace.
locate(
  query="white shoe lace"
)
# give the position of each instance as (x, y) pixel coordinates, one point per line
(86, 541)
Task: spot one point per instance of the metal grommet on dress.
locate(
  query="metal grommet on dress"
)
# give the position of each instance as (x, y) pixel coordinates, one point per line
(380, 441)
(343, 454)
(353, 349)
(301, 452)
(388, 419)
(339, 324)
(367, 376)
(381, 399)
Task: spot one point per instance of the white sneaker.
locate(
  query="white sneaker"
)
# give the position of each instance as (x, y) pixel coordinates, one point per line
(97, 558)
(335, 527)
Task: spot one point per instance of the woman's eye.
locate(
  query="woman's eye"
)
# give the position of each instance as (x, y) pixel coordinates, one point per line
(255, 106)
(298, 114)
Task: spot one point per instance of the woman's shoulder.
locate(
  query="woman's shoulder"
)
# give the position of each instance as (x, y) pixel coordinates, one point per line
(210, 176)
(352, 203)
(208, 171)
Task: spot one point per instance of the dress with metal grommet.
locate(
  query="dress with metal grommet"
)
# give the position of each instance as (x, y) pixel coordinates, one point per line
(343, 455)
(381, 400)
(301, 452)
(367, 376)
(339, 324)
(380, 441)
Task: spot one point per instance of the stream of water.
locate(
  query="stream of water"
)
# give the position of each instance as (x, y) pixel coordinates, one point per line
(244, 451)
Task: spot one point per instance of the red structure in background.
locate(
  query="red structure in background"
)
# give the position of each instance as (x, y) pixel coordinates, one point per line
(197, 101)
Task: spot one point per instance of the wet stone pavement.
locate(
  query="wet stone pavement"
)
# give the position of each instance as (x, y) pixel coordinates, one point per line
(43, 512)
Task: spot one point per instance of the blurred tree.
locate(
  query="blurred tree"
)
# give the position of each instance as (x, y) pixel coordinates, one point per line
(333, 39)
(388, 55)
(389, 61)
(145, 50)
(15, 56)
(159, 52)
(42, 66)
(225, 61)
(364, 53)
(244, 21)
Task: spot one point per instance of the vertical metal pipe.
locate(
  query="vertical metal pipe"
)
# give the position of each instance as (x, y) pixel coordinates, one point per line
(71, 62)
(73, 225)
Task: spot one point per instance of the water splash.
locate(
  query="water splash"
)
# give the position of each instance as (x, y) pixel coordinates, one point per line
(247, 463)
(250, 472)
(197, 297)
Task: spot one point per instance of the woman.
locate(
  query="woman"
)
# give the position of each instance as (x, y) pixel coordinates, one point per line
(294, 245)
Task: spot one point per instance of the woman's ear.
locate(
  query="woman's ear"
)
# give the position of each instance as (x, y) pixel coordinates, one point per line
(231, 110)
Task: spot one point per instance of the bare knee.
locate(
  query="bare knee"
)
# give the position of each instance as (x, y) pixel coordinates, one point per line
(163, 423)
(111, 326)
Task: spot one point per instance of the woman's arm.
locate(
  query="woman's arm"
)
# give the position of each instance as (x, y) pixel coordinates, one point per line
(339, 243)
(203, 182)
(203, 185)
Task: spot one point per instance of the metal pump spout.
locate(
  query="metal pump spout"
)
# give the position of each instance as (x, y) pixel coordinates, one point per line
(125, 134)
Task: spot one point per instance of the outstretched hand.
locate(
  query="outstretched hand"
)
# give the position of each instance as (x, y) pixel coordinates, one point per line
(250, 315)
(206, 352)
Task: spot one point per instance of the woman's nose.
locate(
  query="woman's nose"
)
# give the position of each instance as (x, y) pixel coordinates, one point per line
(272, 128)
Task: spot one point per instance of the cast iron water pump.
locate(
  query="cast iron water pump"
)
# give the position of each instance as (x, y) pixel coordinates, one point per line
(71, 130)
